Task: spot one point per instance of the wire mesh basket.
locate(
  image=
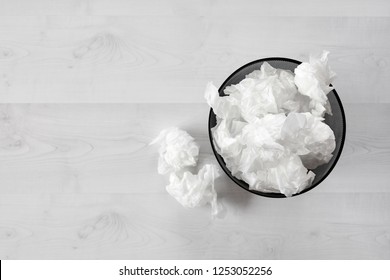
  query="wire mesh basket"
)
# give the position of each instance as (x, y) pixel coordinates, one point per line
(336, 122)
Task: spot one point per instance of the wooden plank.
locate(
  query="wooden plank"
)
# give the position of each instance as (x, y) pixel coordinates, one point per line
(103, 148)
(199, 7)
(164, 59)
(89, 147)
(154, 226)
(365, 161)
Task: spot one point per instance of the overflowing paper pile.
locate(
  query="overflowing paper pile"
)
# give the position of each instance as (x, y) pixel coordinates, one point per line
(270, 127)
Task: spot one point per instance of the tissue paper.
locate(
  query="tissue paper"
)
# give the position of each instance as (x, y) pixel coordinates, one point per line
(312, 79)
(270, 127)
(194, 190)
(179, 152)
(288, 176)
(309, 137)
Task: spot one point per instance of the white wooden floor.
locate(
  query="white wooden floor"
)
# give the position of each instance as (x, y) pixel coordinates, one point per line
(86, 85)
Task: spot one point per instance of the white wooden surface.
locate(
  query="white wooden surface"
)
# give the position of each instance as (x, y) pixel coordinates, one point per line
(85, 86)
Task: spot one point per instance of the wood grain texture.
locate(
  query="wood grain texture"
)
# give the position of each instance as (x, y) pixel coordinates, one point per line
(165, 59)
(79, 181)
(85, 85)
(104, 148)
(199, 7)
(85, 226)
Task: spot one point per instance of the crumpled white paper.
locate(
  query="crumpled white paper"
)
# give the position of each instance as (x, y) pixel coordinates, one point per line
(270, 130)
(288, 176)
(312, 79)
(178, 152)
(310, 138)
(194, 190)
